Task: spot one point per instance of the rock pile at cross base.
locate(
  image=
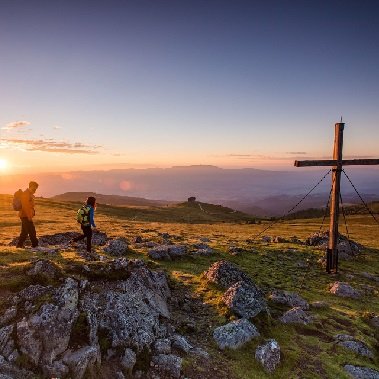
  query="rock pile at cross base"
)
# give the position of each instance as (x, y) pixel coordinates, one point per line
(80, 328)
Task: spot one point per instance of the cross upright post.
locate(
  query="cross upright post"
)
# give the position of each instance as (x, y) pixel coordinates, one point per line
(332, 253)
(336, 163)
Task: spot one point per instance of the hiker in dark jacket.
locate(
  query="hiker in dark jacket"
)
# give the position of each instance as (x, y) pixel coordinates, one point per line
(87, 221)
(26, 215)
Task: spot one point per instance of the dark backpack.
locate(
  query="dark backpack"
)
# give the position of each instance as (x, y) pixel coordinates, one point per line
(82, 215)
(17, 204)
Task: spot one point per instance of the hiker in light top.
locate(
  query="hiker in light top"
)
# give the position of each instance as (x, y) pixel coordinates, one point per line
(86, 218)
(26, 214)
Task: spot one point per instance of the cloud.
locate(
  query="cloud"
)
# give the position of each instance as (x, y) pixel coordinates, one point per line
(16, 125)
(296, 152)
(50, 146)
(56, 127)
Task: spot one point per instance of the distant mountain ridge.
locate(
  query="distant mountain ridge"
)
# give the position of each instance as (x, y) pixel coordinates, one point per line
(255, 191)
(116, 200)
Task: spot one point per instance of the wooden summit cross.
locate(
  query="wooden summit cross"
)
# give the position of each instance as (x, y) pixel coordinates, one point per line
(337, 162)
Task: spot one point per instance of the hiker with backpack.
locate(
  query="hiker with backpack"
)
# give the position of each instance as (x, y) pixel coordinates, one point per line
(85, 217)
(23, 201)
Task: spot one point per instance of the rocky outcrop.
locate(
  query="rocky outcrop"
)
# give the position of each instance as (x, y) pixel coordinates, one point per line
(235, 334)
(245, 299)
(225, 274)
(128, 313)
(268, 355)
(45, 334)
(72, 330)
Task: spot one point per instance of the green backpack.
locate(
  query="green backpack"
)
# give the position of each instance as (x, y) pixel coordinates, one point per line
(82, 215)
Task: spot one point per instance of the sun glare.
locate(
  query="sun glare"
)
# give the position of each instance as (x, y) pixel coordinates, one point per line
(3, 164)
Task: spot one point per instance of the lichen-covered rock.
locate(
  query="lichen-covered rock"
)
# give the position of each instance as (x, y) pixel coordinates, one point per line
(117, 247)
(167, 252)
(8, 315)
(180, 343)
(268, 355)
(162, 346)
(159, 254)
(291, 299)
(235, 334)
(168, 364)
(344, 290)
(44, 268)
(360, 372)
(45, 334)
(353, 344)
(225, 274)
(347, 249)
(128, 360)
(7, 344)
(79, 361)
(130, 313)
(296, 316)
(245, 299)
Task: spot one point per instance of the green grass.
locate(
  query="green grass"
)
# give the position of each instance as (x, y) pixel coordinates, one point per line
(307, 351)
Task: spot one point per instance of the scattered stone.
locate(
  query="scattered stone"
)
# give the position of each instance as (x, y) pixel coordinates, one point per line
(138, 239)
(168, 364)
(268, 355)
(360, 372)
(204, 252)
(374, 278)
(204, 239)
(167, 252)
(295, 239)
(117, 247)
(296, 316)
(45, 269)
(245, 299)
(234, 250)
(279, 239)
(291, 299)
(347, 249)
(235, 334)
(267, 239)
(344, 290)
(351, 343)
(225, 274)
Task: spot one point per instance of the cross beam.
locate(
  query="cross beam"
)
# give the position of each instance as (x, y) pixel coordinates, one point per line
(337, 162)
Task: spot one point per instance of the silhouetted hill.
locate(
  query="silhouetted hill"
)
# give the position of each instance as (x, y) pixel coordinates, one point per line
(110, 199)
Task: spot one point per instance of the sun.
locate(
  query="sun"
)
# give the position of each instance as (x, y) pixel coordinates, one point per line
(3, 164)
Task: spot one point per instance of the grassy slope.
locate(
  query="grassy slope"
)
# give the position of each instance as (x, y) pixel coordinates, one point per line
(307, 351)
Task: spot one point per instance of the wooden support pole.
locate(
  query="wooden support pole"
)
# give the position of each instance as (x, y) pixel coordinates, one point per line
(332, 253)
